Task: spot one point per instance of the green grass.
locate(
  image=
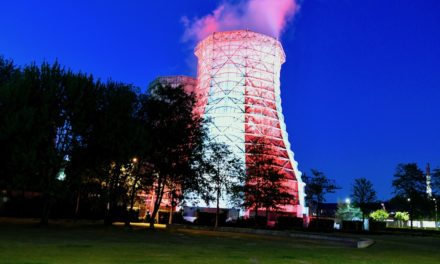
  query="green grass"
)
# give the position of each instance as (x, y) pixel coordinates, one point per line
(25, 243)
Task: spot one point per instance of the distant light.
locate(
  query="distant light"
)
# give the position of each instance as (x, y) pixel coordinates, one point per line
(61, 176)
(347, 201)
(135, 160)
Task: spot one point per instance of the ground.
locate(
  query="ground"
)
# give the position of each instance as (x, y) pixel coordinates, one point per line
(78, 243)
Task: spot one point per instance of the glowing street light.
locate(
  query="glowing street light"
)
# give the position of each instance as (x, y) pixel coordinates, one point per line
(135, 160)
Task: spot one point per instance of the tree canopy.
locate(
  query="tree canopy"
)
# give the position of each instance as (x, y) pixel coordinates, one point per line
(363, 195)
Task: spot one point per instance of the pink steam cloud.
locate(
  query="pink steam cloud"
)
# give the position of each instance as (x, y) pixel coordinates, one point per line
(269, 17)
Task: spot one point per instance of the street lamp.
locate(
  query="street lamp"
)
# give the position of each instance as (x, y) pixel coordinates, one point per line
(435, 208)
(410, 211)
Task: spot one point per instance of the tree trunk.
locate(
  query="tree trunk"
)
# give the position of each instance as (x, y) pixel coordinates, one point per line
(160, 190)
(132, 198)
(110, 196)
(170, 218)
(363, 221)
(46, 210)
(47, 198)
(217, 212)
(267, 216)
(256, 215)
(317, 215)
(75, 216)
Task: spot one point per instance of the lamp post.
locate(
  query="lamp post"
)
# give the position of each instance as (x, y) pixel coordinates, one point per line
(410, 211)
(435, 208)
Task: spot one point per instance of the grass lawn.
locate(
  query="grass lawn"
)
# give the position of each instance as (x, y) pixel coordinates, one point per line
(25, 243)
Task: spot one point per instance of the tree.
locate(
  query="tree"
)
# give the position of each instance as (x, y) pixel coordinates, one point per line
(402, 217)
(112, 141)
(264, 186)
(11, 106)
(317, 186)
(42, 89)
(176, 136)
(409, 184)
(363, 194)
(224, 172)
(54, 120)
(435, 182)
(379, 215)
(348, 213)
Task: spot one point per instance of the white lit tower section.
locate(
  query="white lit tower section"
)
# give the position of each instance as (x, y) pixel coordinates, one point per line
(239, 90)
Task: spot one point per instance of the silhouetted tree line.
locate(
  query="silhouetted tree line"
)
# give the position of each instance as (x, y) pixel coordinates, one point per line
(74, 146)
(71, 140)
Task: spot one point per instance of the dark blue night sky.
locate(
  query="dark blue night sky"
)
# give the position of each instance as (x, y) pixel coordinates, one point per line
(360, 88)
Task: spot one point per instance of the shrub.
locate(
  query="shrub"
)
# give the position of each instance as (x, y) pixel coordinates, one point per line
(402, 216)
(288, 222)
(321, 225)
(352, 226)
(379, 215)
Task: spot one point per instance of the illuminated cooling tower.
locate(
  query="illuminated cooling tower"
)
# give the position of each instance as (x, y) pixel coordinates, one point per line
(239, 90)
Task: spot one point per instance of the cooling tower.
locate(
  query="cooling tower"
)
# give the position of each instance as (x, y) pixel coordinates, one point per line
(239, 90)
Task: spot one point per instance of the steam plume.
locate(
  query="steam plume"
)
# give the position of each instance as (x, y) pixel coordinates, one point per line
(265, 16)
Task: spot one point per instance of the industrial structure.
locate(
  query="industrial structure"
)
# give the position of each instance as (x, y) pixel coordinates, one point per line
(239, 91)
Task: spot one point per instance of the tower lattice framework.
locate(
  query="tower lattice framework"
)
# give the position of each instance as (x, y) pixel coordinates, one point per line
(239, 91)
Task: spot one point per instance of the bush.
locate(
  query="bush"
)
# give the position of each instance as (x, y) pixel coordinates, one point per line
(379, 215)
(208, 219)
(288, 222)
(352, 226)
(377, 226)
(321, 225)
(248, 222)
(402, 216)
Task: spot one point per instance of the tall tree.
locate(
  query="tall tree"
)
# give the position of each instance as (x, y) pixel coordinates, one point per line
(11, 106)
(317, 186)
(265, 183)
(435, 182)
(363, 195)
(176, 135)
(224, 172)
(53, 120)
(112, 141)
(410, 184)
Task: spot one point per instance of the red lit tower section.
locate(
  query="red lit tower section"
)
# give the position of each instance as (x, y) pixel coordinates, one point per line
(239, 90)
